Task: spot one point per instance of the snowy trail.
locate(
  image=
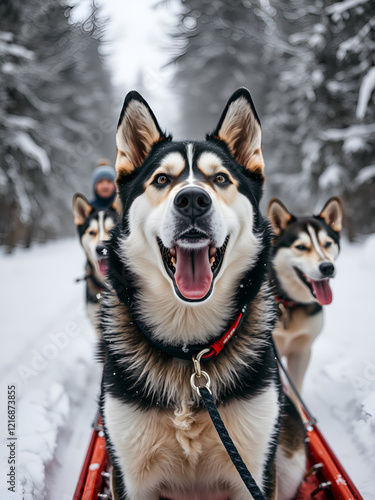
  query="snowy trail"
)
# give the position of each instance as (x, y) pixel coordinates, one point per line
(340, 381)
(47, 349)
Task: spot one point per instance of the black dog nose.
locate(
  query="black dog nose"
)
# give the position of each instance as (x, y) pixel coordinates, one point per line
(99, 250)
(327, 269)
(192, 202)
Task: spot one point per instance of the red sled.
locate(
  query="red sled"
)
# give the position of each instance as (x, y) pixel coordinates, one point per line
(326, 478)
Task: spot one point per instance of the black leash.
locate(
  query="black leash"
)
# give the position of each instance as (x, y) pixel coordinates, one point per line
(93, 279)
(204, 392)
(232, 451)
(312, 420)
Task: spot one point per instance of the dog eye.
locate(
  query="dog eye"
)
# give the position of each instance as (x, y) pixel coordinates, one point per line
(301, 247)
(161, 179)
(92, 233)
(221, 179)
(328, 244)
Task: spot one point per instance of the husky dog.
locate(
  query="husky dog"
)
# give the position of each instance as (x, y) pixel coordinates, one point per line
(93, 229)
(304, 251)
(189, 255)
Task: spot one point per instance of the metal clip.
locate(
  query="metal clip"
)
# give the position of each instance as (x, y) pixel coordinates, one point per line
(198, 373)
(321, 487)
(96, 425)
(314, 469)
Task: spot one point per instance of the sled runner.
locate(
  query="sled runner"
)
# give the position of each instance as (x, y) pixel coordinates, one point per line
(92, 481)
(326, 479)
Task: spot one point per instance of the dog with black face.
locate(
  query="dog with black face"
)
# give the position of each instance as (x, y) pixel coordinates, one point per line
(94, 228)
(304, 252)
(187, 261)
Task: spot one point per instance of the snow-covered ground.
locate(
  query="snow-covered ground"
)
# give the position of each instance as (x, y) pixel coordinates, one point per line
(47, 349)
(340, 381)
(47, 352)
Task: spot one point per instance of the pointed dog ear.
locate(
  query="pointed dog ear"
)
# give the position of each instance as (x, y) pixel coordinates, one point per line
(81, 209)
(278, 215)
(332, 213)
(137, 131)
(239, 128)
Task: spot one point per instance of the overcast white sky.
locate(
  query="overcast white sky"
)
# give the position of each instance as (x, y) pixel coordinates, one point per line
(137, 40)
(137, 35)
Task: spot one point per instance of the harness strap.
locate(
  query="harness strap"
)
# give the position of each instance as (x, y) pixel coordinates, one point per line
(218, 346)
(289, 304)
(232, 451)
(93, 279)
(187, 351)
(312, 420)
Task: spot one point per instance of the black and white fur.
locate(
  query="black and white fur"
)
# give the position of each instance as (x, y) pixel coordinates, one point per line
(304, 251)
(93, 230)
(191, 250)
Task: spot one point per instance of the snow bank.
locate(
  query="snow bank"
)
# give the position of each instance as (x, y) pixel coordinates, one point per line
(48, 347)
(340, 381)
(49, 409)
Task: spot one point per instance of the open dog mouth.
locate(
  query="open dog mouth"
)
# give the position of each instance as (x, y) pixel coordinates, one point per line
(319, 289)
(193, 263)
(103, 265)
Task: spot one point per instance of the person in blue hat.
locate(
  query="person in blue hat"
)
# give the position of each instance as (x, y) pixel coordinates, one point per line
(103, 183)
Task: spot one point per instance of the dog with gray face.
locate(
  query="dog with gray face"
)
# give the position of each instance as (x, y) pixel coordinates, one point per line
(304, 254)
(187, 272)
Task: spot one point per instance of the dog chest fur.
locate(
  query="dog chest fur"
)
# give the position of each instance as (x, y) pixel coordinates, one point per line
(301, 331)
(180, 449)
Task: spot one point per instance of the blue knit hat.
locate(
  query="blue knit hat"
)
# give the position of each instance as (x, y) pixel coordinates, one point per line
(103, 171)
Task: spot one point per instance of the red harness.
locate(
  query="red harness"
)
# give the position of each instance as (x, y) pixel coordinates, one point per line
(290, 304)
(187, 351)
(218, 345)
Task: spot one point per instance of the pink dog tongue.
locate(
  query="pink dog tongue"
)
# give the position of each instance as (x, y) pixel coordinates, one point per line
(103, 266)
(193, 272)
(322, 292)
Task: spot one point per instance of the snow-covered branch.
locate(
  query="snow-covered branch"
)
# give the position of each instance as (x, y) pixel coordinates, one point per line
(365, 175)
(16, 50)
(32, 150)
(340, 134)
(340, 7)
(365, 91)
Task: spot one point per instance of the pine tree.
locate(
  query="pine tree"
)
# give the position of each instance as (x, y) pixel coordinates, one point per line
(321, 112)
(217, 49)
(310, 66)
(55, 116)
